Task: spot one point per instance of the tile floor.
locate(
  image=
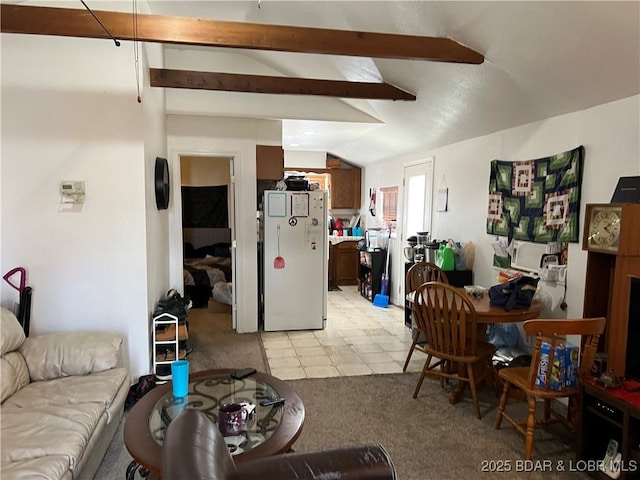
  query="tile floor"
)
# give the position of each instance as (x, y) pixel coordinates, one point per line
(359, 339)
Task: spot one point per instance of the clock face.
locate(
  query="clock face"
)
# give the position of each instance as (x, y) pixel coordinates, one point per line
(604, 228)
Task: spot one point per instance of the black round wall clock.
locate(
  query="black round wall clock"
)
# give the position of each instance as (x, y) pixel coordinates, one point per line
(162, 183)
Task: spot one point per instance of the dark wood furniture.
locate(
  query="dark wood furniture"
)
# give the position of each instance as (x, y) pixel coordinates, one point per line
(608, 280)
(269, 162)
(418, 274)
(370, 268)
(144, 445)
(485, 314)
(343, 263)
(553, 332)
(447, 318)
(606, 415)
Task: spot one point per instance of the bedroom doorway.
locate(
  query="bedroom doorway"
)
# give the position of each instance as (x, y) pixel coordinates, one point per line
(208, 233)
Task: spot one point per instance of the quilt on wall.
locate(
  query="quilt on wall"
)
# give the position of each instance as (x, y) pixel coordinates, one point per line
(536, 200)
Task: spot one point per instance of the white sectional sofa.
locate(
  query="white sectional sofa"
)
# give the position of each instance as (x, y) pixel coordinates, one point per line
(62, 399)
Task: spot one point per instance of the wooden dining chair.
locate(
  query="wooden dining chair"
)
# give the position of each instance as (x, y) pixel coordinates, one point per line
(551, 332)
(447, 317)
(418, 274)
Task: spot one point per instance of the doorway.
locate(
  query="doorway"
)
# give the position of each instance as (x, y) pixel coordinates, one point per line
(208, 232)
(417, 201)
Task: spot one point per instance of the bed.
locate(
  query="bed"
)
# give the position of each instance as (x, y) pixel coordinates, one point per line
(207, 274)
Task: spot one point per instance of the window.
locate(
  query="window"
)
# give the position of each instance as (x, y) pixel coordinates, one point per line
(389, 208)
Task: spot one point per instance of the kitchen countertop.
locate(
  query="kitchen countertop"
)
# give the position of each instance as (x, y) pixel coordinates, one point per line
(335, 239)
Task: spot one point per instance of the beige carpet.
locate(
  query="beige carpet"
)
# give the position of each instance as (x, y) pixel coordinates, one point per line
(426, 437)
(216, 345)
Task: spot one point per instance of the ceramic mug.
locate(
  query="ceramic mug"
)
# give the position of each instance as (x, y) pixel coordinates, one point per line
(232, 418)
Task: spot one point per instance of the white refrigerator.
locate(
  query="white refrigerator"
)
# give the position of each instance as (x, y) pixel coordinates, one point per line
(296, 259)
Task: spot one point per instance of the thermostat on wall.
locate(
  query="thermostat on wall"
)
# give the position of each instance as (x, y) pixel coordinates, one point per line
(71, 196)
(71, 192)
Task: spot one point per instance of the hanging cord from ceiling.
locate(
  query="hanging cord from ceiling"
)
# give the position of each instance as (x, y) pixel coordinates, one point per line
(136, 48)
(115, 40)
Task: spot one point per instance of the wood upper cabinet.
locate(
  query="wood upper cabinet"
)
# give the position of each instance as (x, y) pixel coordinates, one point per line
(345, 187)
(269, 162)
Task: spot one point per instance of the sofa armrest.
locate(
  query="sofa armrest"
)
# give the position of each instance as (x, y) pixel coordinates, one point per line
(193, 448)
(58, 355)
(369, 462)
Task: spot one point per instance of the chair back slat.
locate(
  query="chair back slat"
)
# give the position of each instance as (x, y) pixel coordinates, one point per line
(554, 332)
(423, 272)
(448, 319)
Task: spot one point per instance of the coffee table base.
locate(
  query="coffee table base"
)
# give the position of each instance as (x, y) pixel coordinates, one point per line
(134, 467)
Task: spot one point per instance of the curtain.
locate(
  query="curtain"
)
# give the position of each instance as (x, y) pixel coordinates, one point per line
(205, 207)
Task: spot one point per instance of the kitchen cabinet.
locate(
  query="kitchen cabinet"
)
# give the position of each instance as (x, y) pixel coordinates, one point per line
(347, 263)
(370, 270)
(345, 187)
(610, 415)
(269, 162)
(343, 263)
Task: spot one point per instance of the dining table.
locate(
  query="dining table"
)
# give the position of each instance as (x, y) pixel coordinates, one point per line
(488, 314)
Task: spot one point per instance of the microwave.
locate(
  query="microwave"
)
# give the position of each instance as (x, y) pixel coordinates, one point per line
(527, 255)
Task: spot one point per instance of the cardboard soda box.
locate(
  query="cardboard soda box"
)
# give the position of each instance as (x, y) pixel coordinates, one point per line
(558, 367)
(571, 359)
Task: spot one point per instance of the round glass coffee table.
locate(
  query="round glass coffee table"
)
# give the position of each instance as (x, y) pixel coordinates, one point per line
(269, 430)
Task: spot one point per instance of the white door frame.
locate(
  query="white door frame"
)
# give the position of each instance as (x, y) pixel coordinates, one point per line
(422, 166)
(176, 240)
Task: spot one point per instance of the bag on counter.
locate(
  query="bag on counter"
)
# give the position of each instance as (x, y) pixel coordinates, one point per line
(464, 254)
(516, 293)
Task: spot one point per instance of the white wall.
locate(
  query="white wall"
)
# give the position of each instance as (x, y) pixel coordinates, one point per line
(237, 138)
(157, 221)
(305, 159)
(204, 171)
(70, 113)
(610, 135)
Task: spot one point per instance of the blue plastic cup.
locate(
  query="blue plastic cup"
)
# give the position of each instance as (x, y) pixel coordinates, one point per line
(180, 378)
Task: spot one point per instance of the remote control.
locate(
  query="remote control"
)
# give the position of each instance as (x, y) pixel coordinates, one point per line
(273, 401)
(245, 372)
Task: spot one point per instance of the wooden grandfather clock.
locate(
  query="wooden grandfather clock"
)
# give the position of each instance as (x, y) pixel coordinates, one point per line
(612, 240)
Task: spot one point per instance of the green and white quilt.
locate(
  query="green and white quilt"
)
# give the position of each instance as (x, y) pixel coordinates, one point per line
(536, 200)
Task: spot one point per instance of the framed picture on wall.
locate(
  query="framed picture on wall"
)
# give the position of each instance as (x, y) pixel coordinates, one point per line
(443, 199)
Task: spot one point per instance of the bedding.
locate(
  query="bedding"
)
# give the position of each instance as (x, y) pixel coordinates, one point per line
(206, 274)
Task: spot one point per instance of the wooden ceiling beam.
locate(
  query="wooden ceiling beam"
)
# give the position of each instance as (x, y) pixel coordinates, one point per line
(72, 22)
(231, 82)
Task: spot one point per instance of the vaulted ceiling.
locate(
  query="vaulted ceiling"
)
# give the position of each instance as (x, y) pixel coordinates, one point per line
(542, 59)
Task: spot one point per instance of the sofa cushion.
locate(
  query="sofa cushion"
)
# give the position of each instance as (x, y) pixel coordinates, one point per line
(11, 333)
(48, 429)
(100, 388)
(45, 468)
(13, 374)
(65, 354)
